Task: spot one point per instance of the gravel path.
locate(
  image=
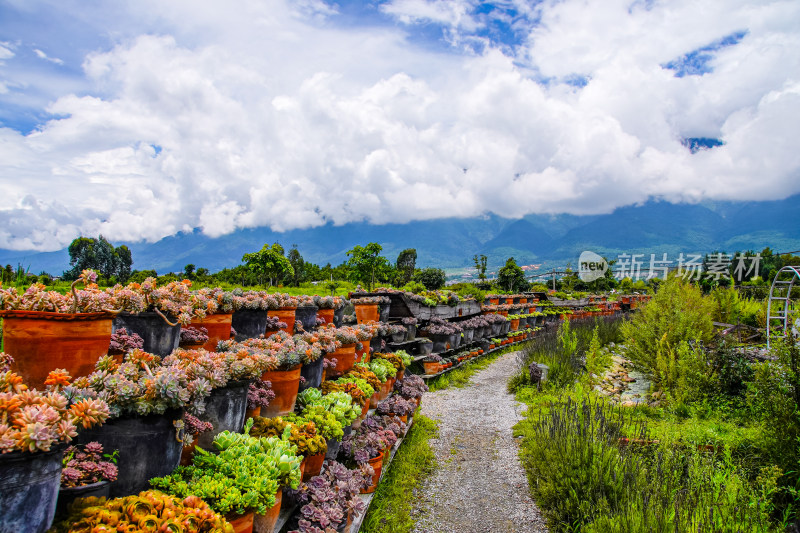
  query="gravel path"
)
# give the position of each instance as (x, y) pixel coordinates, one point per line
(480, 485)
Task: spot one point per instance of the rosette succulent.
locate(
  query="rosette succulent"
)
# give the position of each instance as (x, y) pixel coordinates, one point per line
(396, 405)
(123, 342)
(148, 511)
(301, 433)
(382, 368)
(32, 420)
(243, 476)
(84, 465)
(411, 387)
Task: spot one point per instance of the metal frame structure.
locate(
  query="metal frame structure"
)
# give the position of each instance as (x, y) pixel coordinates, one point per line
(776, 295)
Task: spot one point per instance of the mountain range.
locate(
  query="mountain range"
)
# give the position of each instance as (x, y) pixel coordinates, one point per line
(547, 240)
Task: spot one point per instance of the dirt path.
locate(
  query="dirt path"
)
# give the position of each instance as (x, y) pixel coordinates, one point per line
(480, 485)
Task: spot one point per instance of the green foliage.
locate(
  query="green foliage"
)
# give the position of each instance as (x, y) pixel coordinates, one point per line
(432, 278)
(481, 265)
(584, 480)
(269, 263)
(99, 254)
(677, 313)
(731, 308)
(298, 274)
(511, 278)
(405, 265)
(390, 510)
(597, 359)
(367, 266)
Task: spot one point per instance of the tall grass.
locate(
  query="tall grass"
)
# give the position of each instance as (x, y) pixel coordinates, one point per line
(584, 480)
(563, 350)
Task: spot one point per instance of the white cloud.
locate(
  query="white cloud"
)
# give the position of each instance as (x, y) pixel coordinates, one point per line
(273, 115)
(42, 55)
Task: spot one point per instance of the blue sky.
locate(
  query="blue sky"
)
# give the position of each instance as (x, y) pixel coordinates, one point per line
(141, 119)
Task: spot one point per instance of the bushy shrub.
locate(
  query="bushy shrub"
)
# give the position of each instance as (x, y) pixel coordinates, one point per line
(677, 313)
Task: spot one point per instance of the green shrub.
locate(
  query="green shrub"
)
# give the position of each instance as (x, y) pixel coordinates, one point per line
(677, 313)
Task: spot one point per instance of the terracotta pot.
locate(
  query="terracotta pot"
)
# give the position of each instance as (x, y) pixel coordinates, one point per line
(326, 314)
(430, 368)
(241, 523)
(252, 413)
(494, 301)
(285, 385)
(286, 314)
(345, 359)
(187, 453)
(400, 375)
(218, 326)
(366, 313)
(265, 523)
(313, 465)
(377, 464)
(191, 345)
(41, 341)
(270, 332)
(375, 398)
(514, 324)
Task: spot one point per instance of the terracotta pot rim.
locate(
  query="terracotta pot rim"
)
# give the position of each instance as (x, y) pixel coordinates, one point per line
(52, 315)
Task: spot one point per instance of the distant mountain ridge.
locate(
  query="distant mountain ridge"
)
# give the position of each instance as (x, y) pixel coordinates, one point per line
(553, 240)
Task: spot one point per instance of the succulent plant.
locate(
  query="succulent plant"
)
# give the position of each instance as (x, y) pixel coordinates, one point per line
(396, 405)
(32, 421)
(411, 387)
(259, 394)
(194, 335)
(382, 368)
(302, 433)
(243, 476)
(84, 465)
(328, 498)
(122, 341)
(148, 511)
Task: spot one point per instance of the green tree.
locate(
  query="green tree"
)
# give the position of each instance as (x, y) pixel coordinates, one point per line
(100, 255)
(480, 265)
(366, 264)
(405, 265)
(298, 274)
(432, 278)
(138, 276)
(269, 263)
(511, 277)
(188, 271)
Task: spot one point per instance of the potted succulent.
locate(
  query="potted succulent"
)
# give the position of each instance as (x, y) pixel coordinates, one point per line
(145, 397)
(34, 427)
(259, 394)
(424, 346)
(44, 329)
(250, 317)
(122, 342)
(302, 434)
(326, 423)
(432, 364)
(242, 479)
(214, 308)
(148, 511)
(411, 388)
(192, 338)
(367, 447)
(398, 406)
(411, 327)
(193, 427)
(283, 307)
(86, 471)
(328, 499)
(385, 371)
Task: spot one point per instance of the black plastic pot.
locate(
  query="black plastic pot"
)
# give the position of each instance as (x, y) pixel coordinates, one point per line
(375, 343)
(225, 409)
(338, 314)
(505, 327)
(440, 342)
(149, 446)
(468, 336)
(412, 332)
(312, 373)
(307, 315)
(29, 492)
(68, 495)
(159, 337)
(249, 323)
(384, 312)
(333, 449)
(424, 348)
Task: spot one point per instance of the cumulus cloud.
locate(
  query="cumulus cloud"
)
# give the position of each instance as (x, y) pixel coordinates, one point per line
(278, 116)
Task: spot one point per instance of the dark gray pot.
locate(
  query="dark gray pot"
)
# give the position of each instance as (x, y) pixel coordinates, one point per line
(307, 315)
(159, 337)
(225, 409)
(29, 492)
(249, 323)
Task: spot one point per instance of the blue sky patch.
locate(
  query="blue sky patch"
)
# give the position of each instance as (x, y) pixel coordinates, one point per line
(696, 62)
(695, 144)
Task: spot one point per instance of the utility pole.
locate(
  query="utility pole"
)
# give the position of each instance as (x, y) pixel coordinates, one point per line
(554, 278)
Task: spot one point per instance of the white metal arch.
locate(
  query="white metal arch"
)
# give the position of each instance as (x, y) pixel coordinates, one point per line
(781, 291)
